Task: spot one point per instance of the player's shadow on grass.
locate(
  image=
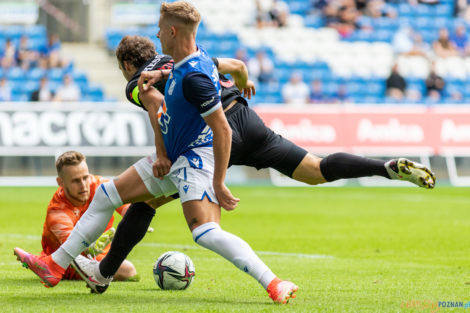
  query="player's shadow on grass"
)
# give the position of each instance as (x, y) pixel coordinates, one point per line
(189, 299)
(85, 299)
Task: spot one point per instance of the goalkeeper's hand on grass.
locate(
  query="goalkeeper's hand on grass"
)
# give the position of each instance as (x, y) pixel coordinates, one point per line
(98, 246)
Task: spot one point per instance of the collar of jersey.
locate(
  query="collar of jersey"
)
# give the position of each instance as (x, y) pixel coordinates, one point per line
(189, 57)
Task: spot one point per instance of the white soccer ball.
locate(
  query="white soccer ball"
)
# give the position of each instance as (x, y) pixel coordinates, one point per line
(173, 271)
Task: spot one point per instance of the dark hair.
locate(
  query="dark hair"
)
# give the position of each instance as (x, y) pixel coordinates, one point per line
(136, 50)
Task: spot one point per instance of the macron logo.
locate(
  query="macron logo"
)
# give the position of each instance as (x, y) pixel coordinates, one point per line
(195, 162)
(193, 63)
(185, 188)
(207, 102)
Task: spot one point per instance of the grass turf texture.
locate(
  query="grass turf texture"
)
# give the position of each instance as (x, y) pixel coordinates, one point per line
(387, 246)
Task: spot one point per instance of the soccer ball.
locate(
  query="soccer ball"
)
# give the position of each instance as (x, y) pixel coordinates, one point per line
(173, 271)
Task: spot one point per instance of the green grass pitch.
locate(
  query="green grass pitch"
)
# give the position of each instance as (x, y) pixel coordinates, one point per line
(384, 247)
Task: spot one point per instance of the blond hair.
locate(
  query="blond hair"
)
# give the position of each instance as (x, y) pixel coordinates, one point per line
(68, 158)
(181, 11)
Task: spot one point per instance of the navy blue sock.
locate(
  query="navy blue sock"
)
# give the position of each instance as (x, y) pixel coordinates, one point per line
(129, 233)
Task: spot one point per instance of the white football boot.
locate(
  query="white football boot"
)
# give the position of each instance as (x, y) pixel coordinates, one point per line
(88, 269)
(418, 174)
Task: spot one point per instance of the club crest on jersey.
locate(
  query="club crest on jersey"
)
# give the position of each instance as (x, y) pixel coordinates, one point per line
(172, 87)
(163, 118)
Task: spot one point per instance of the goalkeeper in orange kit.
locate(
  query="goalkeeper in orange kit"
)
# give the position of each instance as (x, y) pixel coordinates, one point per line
(70, 201)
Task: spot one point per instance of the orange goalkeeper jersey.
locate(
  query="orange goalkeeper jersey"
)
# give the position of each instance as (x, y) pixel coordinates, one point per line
(62, 216)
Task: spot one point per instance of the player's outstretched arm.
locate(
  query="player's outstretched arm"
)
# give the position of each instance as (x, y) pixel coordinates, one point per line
(152, 99)
(238, 70)
(222, 140)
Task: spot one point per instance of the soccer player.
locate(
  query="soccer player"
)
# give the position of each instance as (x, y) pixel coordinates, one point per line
(252, 143)
(70, 201)
(194, 150)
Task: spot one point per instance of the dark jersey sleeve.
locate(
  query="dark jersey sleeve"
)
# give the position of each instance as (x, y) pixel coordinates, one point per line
(199, 90)
(132, 92)
(216, 62)
(158, 62)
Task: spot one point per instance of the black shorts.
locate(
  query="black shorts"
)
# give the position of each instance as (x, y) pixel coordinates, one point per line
(255, 145)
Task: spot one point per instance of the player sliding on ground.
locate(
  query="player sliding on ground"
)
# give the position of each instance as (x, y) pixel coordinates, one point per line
(194, 151)
(251, 142)
(70, 201)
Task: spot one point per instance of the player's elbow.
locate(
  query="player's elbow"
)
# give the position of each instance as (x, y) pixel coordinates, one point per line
(224, 131)
(241, 67)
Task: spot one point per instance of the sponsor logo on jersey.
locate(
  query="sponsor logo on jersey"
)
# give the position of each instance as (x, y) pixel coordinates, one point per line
(172, 87)
(152, 64)
(203, 138)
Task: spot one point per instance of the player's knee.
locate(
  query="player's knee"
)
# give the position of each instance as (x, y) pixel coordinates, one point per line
(155, 203)
(125, 271)
(309, 171)
(199, 232)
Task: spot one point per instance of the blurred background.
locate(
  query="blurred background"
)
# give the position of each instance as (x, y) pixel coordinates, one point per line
(372, 77)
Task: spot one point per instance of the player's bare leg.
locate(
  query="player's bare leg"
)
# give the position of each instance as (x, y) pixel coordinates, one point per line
(131, 188)
(203, 219)
(309, 171)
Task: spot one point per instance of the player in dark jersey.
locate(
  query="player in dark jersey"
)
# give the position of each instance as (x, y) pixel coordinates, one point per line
(253, 144)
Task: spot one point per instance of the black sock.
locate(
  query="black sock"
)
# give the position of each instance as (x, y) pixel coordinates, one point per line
(344, 165)
(129, 233)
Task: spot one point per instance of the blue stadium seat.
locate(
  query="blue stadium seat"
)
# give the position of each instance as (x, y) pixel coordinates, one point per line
(31, 86)
(299, 7)
(314, 21)
(15, 74)
(95, 92)
(424, 10)
(405, 10)
(442, 22)
(14, 32)
(374, 89)
(55, 74)
(330, 89)
(385, 24)
(36, 73)
(443, 10)
(423, 23)
(79, 77)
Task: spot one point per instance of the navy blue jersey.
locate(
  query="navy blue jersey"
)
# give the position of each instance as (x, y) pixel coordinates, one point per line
(191, 93)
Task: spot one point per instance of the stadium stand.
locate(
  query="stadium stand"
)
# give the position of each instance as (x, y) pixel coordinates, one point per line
(359, 58)
(23, 78)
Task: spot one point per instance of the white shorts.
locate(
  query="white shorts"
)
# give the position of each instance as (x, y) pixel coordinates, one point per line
(154, 185)
(193, 173)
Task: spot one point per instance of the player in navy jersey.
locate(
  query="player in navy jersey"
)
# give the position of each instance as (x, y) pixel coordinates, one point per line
(198, 141)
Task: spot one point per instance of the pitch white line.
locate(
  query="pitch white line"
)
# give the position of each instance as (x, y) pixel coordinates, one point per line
(184, 247)
(282, 254)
